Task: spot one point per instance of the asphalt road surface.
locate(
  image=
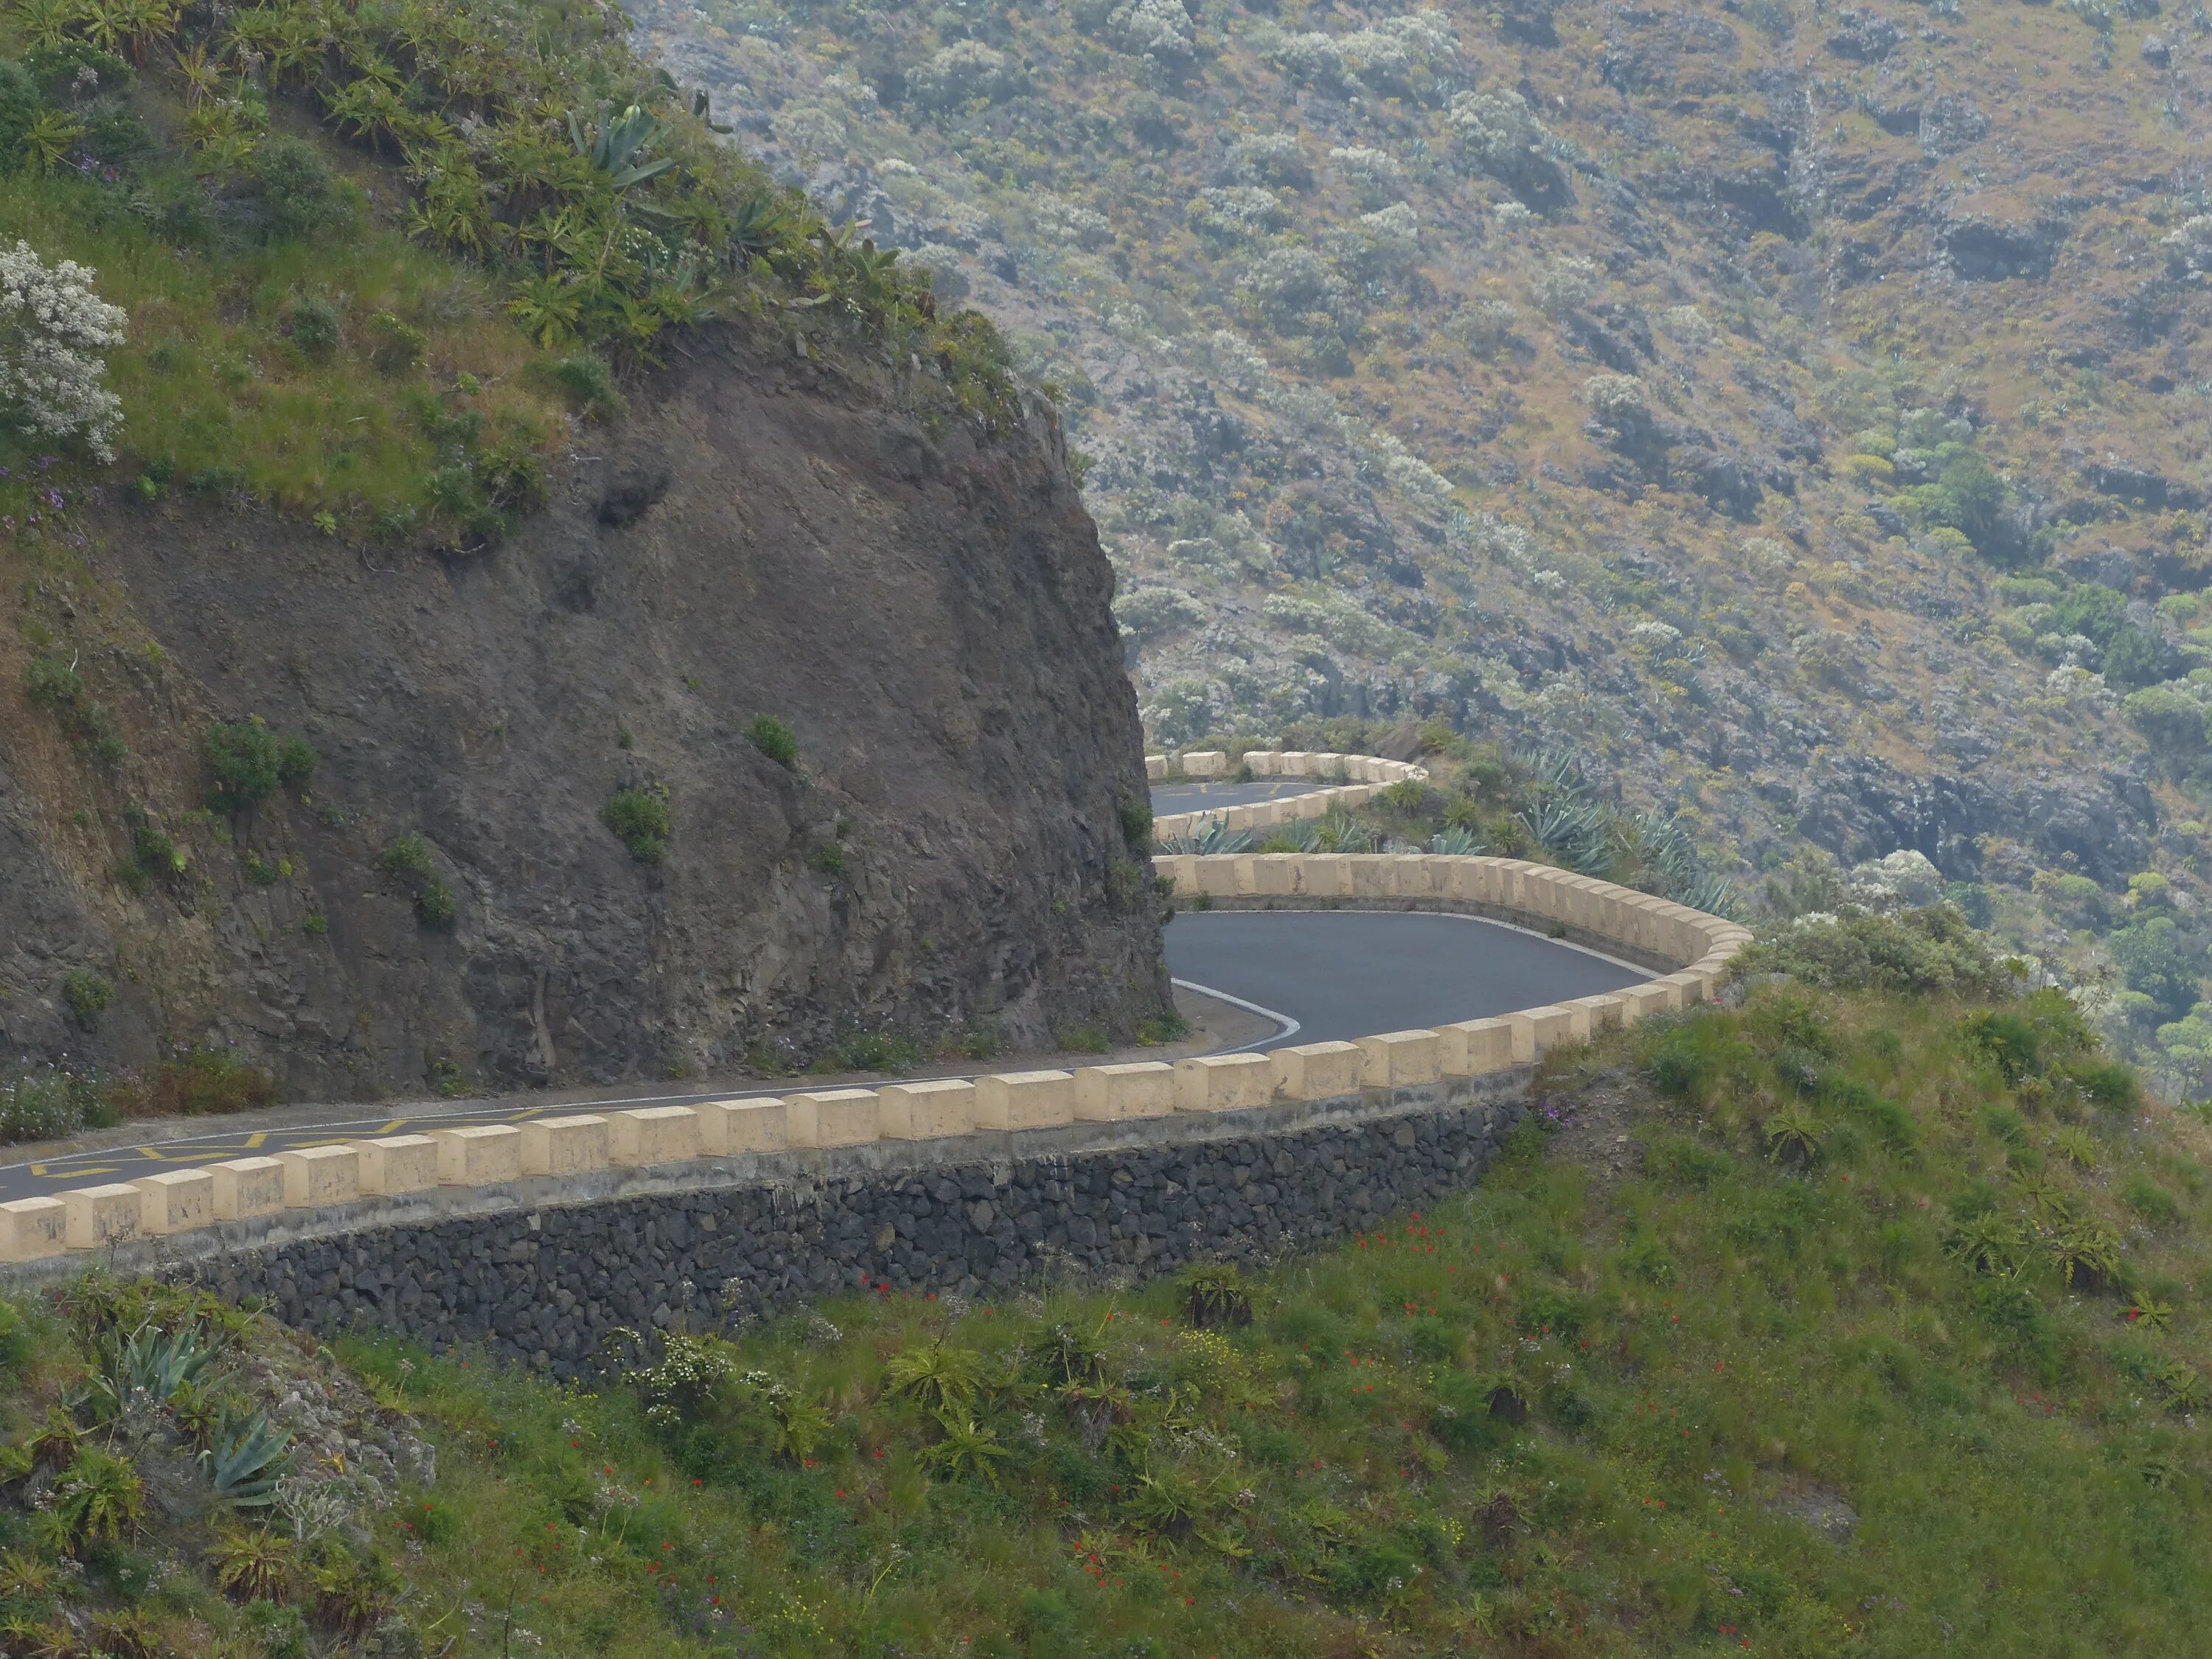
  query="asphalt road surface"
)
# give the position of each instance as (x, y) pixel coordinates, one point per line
(1172, 798)
(1346, 974)
(1317, 975)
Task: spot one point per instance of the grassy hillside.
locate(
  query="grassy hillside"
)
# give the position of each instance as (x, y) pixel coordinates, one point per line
(1872, 1324)
(1797, 415)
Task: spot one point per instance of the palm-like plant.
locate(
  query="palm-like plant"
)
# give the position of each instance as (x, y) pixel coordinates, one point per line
(944, 1381)
(50, 139)
(2088, 1249)
(968, 1450)
(1793, 1136)
(99, 1497)
(1990, 1243)
(255, 1566)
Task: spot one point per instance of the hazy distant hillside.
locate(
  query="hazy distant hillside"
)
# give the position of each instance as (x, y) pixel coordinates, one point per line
(1790, 408)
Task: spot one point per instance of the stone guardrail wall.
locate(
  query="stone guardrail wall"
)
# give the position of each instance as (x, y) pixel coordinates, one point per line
(1357, 777)
(584, 1158)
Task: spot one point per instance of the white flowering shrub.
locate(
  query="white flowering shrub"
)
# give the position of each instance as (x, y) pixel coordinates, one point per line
(1312, 57)
(2189, 249)
(1658, 638)
(1617, 400)
(1070, 224)
(965, 70)
(1902, 877)
(1567, 286)
(947, 278)
(1374, 174)
(1240, 367)
(1154, 613)
(1689, 325)
(1269, 158)
(1401, 56)
(1488, 327)
(1157, 29)
(54, 330)
(1511, 216)
(1294, 291)
(1237, 212)
(1407, 472)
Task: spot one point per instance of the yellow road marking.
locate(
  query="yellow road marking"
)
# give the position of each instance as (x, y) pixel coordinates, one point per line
(257, 1137)
(392, 1128)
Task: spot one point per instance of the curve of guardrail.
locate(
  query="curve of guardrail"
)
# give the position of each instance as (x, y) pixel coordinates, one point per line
(358, 1184)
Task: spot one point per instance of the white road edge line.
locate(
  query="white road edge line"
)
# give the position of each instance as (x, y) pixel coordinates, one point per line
(1290, 1027)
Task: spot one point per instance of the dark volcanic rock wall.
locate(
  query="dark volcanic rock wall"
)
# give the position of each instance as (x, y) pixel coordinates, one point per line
(929, 614)
(547, 1286)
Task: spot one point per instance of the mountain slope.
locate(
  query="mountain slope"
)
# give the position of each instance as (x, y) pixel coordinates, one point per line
(1788, 409)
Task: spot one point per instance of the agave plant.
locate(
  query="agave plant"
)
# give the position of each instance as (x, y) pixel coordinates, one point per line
(248, 1457)
(616, 146)
(1454, 841)
(151, 1365)
(1212, 836)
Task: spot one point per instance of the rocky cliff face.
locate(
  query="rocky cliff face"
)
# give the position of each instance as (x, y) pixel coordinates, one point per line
(929, 614)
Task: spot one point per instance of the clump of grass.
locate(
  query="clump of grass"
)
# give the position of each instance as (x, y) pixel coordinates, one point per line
(638, 815)
(196, 1080)
(410, 855)
(775, 739)
(46, 1103)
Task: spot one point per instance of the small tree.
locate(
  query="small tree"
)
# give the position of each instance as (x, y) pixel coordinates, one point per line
(53, 331)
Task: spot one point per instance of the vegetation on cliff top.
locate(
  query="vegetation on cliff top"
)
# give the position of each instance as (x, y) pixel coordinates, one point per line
(1871, 1324)
(369, 251)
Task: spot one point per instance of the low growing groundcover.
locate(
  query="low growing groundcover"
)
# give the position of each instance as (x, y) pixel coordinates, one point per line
(1855, 1325)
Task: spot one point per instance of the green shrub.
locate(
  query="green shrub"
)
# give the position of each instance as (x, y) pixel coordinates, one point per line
(88, 994)
(317, 329)
(2150, 1201)
(591, 384)
(48, 1102)
(1137, 826)
(199, 1081)
(394, 346)
(512, 477)
(876, 1051)
(410, 854)
(301, 196)
(1926, 951)
(775, 739)
(639, 815)
(250, 762)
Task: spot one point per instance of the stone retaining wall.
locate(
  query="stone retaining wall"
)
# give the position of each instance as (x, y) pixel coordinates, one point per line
(545, 1285)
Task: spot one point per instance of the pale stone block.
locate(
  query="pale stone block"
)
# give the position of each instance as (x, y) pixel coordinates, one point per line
(1326, 875)
(1024, 1100)
(925, 1111)
(1327, 763)
(247, 1187)
(1537, 1030)
(1695, 985)
(175, 1200)
(840, 1117)
(1373, 876)
(1419, 874)
(1396, 1059)
(31, 1228)
(1642, 1001)
(652, 1134)
(1275, 875)
(1223, 1083)
(100, 1215)
(1296, 763)
(1205, 764)
(1265, 762)
(1179, 870)
(1317, 1071)
(1217, 874)
(317, 1176)
(1474, 1047)
(1603, 1010)
(565, 1146)
(732, 1128)
(478, 1154)
(1106, 1094)
(1156, 766)
(391, 1165)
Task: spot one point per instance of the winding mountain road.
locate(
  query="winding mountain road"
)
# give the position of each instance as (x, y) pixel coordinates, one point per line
(1314, 975)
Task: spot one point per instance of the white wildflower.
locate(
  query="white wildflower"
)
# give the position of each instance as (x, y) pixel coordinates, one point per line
(53, 329)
